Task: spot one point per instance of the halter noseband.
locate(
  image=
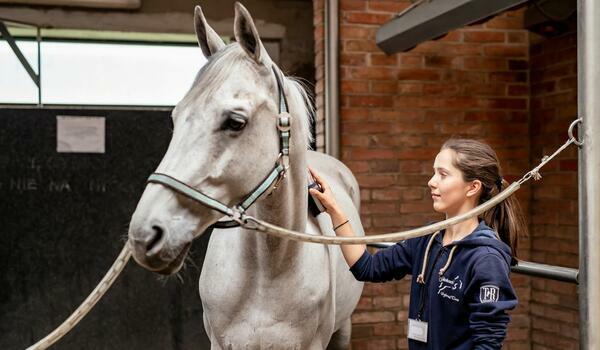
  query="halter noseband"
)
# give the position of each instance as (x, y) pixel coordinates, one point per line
(271, 181)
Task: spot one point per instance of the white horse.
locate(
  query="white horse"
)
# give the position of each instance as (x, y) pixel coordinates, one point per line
(257, 291)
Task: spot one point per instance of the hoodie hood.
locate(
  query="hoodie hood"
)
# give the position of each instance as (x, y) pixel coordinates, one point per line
(483, 235)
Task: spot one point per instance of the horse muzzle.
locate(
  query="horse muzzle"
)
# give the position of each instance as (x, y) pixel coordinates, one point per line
(152, 249)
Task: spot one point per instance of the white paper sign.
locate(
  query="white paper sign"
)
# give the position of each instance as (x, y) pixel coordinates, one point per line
(80, 134)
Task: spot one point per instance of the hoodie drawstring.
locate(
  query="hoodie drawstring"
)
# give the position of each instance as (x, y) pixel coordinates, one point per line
(443, 269)
(421, 276)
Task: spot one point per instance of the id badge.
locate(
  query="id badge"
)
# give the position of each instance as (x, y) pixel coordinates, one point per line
(417, 330)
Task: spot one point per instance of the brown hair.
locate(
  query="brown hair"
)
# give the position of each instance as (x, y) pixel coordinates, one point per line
(478, 161)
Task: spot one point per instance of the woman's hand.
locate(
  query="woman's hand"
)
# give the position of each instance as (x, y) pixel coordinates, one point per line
(341, 226)
(326, 197)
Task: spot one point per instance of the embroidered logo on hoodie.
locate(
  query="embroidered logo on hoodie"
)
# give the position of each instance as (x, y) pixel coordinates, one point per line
(449, 288)
(489, 294)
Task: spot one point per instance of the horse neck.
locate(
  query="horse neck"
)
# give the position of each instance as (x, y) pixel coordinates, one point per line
(286, 207)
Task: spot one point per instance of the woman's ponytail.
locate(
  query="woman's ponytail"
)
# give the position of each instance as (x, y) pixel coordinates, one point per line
(477, 161)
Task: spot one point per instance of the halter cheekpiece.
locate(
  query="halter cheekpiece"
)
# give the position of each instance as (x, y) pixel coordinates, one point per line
(273, 179)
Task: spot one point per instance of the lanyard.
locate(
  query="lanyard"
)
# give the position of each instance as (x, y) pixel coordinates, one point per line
(425, 287)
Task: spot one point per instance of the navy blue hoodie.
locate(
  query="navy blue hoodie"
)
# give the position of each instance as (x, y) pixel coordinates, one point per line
(466, 306)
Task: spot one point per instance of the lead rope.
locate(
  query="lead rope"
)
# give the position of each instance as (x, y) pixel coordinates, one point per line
(88, 303)
(258, 225)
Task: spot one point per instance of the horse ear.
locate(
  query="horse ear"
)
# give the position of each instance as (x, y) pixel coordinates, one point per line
(246, 35)
(209, 41)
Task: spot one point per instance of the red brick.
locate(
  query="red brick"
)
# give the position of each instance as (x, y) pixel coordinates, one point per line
(517, 37)
(353, 5)
(405, 88)
(354, 114)
(384, 87)
(352, 87)
(451, 37)
(388, 6)
(365, 128)
(366, 18)
(411, 61)
(520, 77)
(382, 329)
(487, 115)
(418, 74)
(353, 59)
(383, 60)
(387, 194)
(387, 302)
(378, 73)
(505, 51)
(373, 317)
(483, 36)
(485, 63)
(375, 181)
(435, 61)
(371, 101)
(356, 32)
(359, 46)
(505, 23)
(379, 208)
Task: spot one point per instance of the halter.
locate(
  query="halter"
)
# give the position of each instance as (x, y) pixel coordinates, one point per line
(236, 213)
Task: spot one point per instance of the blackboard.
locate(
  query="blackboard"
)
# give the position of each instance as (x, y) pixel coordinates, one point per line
(63, 221)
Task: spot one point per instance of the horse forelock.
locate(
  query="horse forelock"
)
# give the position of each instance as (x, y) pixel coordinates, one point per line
(220, 66)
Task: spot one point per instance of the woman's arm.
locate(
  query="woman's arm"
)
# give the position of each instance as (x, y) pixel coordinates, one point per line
(352, 252)
(492, 295)
(393, 262)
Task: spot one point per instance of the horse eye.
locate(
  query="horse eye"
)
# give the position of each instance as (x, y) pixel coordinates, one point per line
(234, 122)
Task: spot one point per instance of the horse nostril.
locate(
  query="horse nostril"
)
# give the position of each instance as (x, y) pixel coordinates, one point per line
(157, 236)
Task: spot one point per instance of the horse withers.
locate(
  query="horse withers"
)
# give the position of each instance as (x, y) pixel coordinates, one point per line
(257, 291)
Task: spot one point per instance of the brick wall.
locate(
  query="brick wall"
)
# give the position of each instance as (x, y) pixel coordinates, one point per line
(397, 110)
(554, 232)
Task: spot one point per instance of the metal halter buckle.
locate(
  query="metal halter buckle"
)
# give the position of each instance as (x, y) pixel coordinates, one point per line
(284, 122)
(237, 214)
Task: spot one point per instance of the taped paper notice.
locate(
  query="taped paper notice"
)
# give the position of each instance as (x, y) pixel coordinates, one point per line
(80, 134)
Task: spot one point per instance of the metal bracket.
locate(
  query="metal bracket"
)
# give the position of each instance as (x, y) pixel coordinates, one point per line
(13, 45)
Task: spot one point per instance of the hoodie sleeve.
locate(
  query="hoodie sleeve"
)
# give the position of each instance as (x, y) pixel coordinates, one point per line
(491, 296)
(393, 262)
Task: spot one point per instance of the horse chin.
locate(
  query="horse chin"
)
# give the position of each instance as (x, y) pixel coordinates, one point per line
(168, 268)
(175, 265)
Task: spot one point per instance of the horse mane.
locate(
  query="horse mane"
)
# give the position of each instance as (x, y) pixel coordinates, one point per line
(301, 100)
(218, 67)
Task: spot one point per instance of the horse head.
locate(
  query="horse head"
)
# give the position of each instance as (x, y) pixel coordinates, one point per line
(225, 141)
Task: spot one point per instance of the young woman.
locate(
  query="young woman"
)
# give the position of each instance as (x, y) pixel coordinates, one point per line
(460, 288)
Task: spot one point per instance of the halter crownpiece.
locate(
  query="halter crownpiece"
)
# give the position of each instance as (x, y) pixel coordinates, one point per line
(272, 181)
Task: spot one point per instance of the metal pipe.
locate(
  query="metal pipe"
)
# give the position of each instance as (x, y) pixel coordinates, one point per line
(588, 86)
(332, 112)
(557, 273)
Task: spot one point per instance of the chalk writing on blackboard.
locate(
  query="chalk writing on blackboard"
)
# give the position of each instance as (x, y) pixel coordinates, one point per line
(59, 186)
(23, 184)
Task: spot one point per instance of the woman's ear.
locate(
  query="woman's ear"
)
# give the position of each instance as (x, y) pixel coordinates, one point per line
(474, 188)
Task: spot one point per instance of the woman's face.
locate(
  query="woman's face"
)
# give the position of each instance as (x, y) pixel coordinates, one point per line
(450, 193)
